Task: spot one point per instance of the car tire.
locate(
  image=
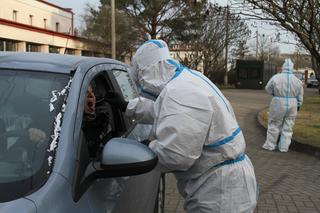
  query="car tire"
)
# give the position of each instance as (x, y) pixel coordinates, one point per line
(160, 200)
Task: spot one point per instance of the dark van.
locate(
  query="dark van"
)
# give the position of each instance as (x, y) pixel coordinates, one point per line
(254, 74)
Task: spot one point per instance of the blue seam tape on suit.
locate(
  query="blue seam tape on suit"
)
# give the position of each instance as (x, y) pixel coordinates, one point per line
(275, 96)
(180, 68)
(241, 157)
(225, 140)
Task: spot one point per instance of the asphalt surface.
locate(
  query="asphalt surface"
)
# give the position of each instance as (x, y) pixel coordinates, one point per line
(288, 182)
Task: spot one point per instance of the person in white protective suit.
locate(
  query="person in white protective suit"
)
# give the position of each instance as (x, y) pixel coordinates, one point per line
(195, 133)
(287, 92)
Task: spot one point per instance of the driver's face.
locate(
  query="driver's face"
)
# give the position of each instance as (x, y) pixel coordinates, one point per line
(90, 101)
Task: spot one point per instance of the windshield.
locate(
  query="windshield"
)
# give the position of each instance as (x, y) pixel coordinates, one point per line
(26, 126)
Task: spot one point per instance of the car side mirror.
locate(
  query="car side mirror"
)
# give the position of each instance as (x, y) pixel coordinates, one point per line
(126, 157)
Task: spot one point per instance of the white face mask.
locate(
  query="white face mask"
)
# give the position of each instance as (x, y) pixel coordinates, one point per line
(153, 78)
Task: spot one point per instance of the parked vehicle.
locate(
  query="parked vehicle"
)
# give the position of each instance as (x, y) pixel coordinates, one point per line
(312, 82)
(254, 74)
(51, 168)
(299, 75)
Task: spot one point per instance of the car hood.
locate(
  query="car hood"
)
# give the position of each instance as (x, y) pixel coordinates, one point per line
(19, 205)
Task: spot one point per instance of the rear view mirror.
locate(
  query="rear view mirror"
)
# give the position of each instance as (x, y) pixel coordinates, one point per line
(126, 157)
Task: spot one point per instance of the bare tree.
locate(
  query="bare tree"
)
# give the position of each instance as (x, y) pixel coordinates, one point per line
(97, 27)
(240, 50)
(301, 17)
(205, 29)
(265, 48)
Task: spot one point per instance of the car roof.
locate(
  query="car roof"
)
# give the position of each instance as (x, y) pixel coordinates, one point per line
(47, 62)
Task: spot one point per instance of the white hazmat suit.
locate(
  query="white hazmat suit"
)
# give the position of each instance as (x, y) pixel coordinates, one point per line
(195, 133)
(287, 92)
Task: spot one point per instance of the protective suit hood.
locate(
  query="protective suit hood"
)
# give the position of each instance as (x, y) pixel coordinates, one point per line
(287, 65)
(150, 67)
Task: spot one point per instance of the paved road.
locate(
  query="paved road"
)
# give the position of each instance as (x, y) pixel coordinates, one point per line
(289, 182)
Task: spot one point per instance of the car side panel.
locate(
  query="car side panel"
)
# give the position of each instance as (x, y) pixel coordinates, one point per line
(56, 196)
(140, 195)
(20, 205)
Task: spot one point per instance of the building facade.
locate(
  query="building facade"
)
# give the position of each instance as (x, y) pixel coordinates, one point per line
(39, 26)
(185, 54)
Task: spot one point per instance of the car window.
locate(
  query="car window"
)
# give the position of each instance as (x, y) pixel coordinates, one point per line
(126, 84)
(140, 132)
(97, 122)
(313, 77)
(26, 125)
(136, 131)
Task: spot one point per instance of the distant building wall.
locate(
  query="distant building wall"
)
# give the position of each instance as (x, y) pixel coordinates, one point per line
(38, 14)
(184, 52)
(39, 26)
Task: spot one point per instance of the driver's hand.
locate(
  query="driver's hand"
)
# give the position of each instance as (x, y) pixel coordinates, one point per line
(36, 135)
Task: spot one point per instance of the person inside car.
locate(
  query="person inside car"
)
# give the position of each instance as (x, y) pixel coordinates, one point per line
(95, 125)
(28, 131)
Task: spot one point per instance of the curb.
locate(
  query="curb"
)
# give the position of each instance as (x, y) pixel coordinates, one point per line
(295, 144)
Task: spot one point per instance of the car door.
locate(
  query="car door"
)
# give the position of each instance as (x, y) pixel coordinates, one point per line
(123, 194)
(141, 190)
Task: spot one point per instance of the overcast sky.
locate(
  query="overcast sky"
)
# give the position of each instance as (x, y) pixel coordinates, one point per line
(79, 5)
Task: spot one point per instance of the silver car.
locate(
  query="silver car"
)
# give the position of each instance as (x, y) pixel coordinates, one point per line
(52, 159)
(312, 82)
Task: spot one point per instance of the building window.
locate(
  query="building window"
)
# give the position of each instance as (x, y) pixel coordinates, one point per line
(15, 15)
(53, 49)
(2, 45)
(8, 45)
(87, 53)
(45, 23)
(70, 51)
(57, 26)
(30, 19)
(32, 47)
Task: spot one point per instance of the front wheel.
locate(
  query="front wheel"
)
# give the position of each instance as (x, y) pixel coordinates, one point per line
(159, 204)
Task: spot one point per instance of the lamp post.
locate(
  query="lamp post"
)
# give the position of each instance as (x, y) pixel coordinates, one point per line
(113, 30)
(225, 79)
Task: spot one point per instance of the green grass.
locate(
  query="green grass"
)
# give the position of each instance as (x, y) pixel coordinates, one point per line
(307, 127)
